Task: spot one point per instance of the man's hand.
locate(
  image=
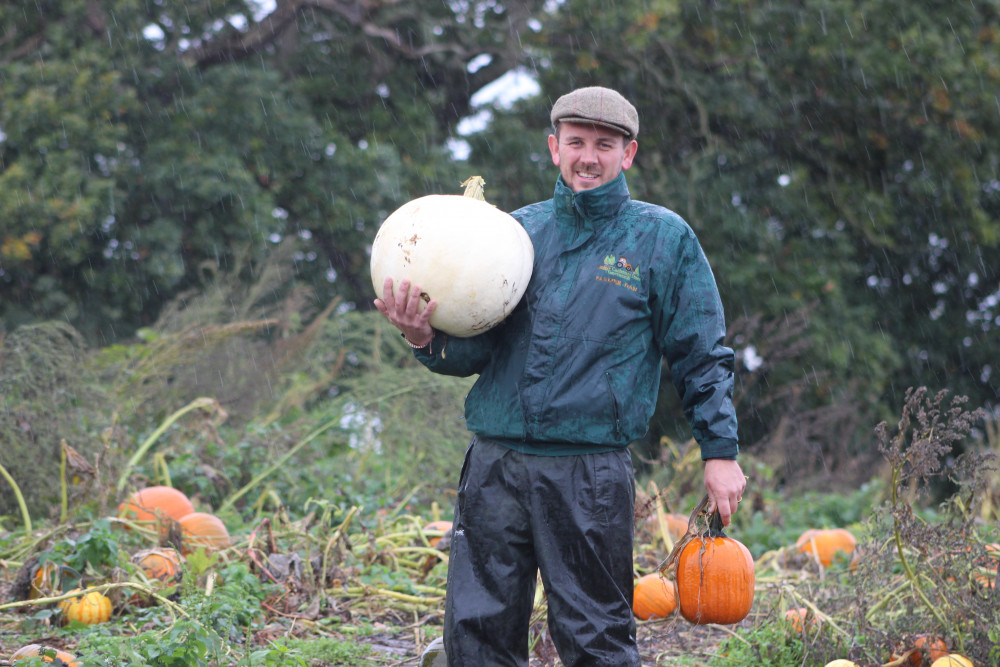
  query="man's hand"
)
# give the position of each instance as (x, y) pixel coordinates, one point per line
(725, 483)
(402, 309)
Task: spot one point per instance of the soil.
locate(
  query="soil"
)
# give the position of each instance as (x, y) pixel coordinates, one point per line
(659, 641)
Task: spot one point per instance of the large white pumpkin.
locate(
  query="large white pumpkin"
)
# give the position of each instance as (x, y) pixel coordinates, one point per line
(469, 256)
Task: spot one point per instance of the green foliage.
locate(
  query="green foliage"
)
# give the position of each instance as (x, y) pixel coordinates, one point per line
(306, 652)
(96, 549)
(47, 394)
(784, 518)
(769, 644)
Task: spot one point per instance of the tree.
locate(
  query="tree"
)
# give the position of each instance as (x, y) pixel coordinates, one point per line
(147, 145)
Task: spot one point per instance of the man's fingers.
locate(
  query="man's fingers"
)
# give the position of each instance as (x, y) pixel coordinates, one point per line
(388, 297)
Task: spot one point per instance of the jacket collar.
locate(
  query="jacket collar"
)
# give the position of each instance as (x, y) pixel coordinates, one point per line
(591, 207)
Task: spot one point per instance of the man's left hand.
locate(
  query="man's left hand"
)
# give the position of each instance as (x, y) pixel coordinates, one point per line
(725, 483)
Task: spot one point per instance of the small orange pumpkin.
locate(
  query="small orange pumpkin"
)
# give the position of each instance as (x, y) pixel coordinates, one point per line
(715, 578)
(433, 528)
(162, 564)
(89, 608)
(677, 525)
(932, 645)
(45, 581)
(201, 529)
(157, 505)
(796, 618)
(986, 573)
(654, 596)
(825, 543)
(47, 654)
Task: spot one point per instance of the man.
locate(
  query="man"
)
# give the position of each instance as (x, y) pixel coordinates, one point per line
(566, 382)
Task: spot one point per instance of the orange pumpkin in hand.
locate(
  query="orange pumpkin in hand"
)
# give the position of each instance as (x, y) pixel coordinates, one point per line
(715, 578)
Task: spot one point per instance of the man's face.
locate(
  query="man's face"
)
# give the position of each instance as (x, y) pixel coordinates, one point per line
(590, 155)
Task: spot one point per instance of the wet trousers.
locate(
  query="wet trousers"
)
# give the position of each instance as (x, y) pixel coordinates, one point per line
(568, 518)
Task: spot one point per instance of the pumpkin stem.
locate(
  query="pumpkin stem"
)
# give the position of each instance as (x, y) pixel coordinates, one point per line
(715, 525)
(668, 567)
(475, 187)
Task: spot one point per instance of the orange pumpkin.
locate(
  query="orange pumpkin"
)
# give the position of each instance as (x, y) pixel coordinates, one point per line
(162, 564)
(932, 645)
(435, 527)
(157, 505)
(797, 618)
(201, 529)
(89, 608)
(677, 525)
(826, 543)
(654, 596)
(46, 653)
(986, 573)
(45, 581)
(715, 578)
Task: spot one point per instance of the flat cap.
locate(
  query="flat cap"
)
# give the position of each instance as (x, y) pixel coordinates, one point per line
(598, 105)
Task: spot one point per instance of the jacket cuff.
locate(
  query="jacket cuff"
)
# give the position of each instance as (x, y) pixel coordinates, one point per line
(719, 448)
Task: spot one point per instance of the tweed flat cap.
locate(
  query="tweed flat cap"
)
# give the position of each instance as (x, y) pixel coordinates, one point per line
(598, 105)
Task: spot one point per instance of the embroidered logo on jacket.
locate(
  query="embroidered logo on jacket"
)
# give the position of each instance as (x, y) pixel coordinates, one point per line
(617, 270)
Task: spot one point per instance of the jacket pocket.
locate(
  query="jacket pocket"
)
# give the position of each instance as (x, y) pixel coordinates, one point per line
(615, 408)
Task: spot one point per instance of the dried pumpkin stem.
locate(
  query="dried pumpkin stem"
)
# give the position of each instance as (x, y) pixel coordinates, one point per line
(668, 568)
(475, 188)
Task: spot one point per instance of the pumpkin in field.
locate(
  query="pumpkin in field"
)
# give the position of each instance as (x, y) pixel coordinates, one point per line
(932, 646)
(677, 525)
(715, 578)
(797, 619)
(201, 529)
(46, 653)
(156, 504)
(435, 530)
(161, 564)
(45, 581)
(825, 543)
(986, 573)
(654, 596)
(470, 257)
(952, 660)
(89, 608)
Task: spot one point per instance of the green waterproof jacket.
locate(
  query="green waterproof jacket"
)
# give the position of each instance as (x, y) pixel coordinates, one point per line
(617, 285)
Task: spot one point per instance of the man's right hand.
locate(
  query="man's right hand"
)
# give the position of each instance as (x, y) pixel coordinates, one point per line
(402, 309)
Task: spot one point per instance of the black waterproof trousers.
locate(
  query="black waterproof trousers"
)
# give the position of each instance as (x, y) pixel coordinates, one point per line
(566, 517)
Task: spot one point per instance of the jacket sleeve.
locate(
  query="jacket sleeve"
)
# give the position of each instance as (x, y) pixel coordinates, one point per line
(690, 327)
(462, 357)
